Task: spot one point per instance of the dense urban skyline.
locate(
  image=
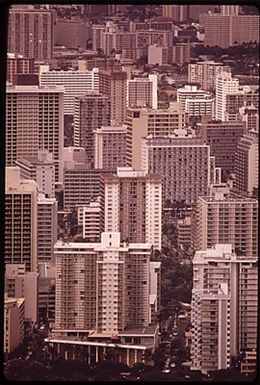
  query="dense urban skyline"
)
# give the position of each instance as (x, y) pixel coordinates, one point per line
(131, 192)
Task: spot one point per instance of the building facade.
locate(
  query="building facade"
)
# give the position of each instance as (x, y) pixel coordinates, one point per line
(227, 218)
(17, 64)
(205, 73)
(142, 92)
(225, 30)
(246, 96)
(20, 220)
(13, 323)
(223, 297)
(41, 170)
(113, 84)
(182, 160)
(22, 284)
(34, 121)
(89, 217)
(47, 228)
(81, 184)
(131, 204)
(71, 33)
(30, 33)
(110, 147)
(225, 84)
(92, 111)
(223, 138)
(102, 286)
(247, 163)
(75, 83)
(143, 122)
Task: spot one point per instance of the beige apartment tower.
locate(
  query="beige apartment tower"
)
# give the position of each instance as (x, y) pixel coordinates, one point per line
(224, 307)
(142, 92)
(131, 204)
(41, 169)
(110, 147)
(205, 73)
(75, 83)
(113, 84)
(142, 122)
(183, 161)
(102, 286)
(34, 121)
(227, 218)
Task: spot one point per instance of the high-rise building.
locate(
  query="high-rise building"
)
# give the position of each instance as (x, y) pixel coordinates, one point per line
(179, 53)
(46, 299)
(200, 107)
(158, 55)
(223, 138)
(81, 184)
(196, 10)
(160, 23)
(196, 102)
(246, 96)
(110, 147)
(112, 38)
(102, 286)
(183, 161)
(113, 84)
(75, 83)
(141, 122)
(210, 346)
(229, 10)
(224, 30)
(205, 73)
(13, 323)
(226, 218)
(92, 111)
(22, 284)
(73, 33)
(224, 307)
(246, 161)
(30, 33)
(249, 115)
(96, 36)
(225, 84)
(107, 293)
(176, 12)
(183, 227)
(41, 170)
(131, 204)
(47, 225)
(142, 92)
(190, 92)
(89, 217)
(153, 37)
(34, 121)
(20, 220)
(17, 64)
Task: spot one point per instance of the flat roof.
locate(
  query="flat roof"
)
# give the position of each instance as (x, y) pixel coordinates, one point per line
(96, 343)
(141, 331)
